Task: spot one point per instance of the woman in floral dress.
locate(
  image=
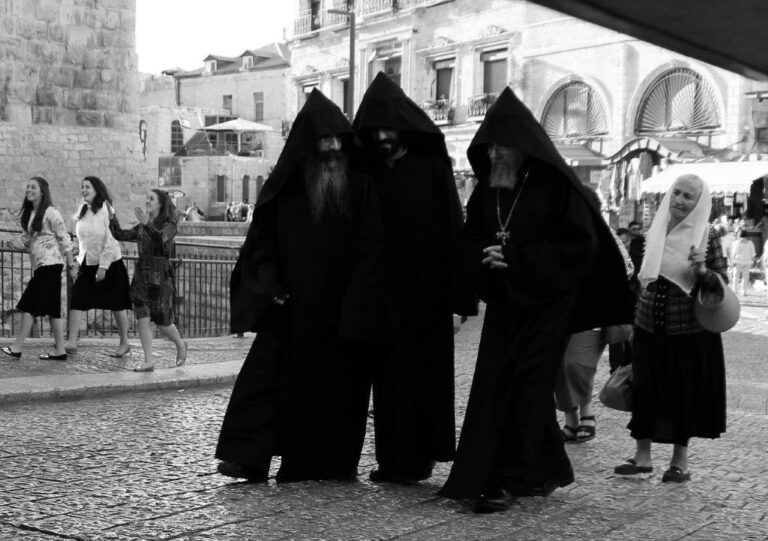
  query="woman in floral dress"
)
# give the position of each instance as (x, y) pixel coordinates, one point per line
(153, 287)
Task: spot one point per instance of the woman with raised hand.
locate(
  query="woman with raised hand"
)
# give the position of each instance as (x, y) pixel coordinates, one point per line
(102, 279)
(47, 240)
(153, 285)
(678, 386)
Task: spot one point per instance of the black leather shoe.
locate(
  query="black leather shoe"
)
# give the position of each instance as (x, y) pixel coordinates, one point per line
(240, 471)
(675, 475)
(496, 501)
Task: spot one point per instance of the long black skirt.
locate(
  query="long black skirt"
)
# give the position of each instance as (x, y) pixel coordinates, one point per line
(678, 387)
(112, 293)
(42, 297)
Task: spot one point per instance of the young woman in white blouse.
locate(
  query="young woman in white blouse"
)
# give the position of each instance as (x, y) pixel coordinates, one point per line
(102, 279)
(46, 237)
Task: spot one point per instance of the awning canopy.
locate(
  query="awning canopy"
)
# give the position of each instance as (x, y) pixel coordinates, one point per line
(722, 177)
(238, 124)
(730, 34)
(580, 155)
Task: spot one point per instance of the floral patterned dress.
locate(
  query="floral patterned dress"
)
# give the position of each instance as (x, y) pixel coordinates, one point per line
(153, 287)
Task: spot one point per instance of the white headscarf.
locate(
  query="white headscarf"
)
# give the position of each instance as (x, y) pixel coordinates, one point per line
(667, 254)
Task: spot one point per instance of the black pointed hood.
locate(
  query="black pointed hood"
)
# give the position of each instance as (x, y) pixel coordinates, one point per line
(385, 105)
(508, 122)
(319, 117)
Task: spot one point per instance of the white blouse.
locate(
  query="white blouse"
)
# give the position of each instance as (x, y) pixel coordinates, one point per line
(97, 245)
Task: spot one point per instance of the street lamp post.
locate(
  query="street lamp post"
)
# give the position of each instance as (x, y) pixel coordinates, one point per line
(350, 13)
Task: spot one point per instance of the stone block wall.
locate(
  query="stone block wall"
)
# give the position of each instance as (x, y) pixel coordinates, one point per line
(69, 100)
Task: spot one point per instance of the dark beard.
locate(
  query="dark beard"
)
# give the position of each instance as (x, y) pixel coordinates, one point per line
(387, 148)
(325, 180)
(503, 175)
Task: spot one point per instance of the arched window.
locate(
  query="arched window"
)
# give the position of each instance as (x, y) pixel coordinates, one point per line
(575, 111)
(177, 137)
(678, 101)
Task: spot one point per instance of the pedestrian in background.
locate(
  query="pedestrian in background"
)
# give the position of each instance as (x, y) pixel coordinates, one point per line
(413, 387)
(46, 238)
(574, 385)
(743, 260)
(102, 279)
(153, 287)
(678, 384)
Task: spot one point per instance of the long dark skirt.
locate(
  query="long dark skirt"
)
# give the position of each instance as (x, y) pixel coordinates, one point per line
(413, 400)
(511, 437)
(304, 398)
(112, 293)
(678, 387)
(42, 296)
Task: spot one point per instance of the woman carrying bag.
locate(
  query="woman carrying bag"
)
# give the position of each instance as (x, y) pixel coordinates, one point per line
(153, 287)
(102, 279)
(47, 240)
(678, 381)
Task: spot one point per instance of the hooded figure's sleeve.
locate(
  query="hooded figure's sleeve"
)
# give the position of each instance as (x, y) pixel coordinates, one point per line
(541, 271)
(471, 244)
(255, 280)
(363, 309)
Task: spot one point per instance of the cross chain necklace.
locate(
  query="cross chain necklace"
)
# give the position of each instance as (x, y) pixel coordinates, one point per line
(502, 234)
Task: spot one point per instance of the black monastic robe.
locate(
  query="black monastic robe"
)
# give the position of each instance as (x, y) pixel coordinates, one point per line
(414, 385)
(304, 388)
(510, 430)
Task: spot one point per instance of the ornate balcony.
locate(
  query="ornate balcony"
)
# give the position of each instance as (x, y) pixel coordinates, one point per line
(307, 21)
(440, 111)
(479, 104)
(372, 7)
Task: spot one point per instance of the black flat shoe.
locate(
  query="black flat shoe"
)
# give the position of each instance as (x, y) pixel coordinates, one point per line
(8, 351)
(675, 475)
(49, 357)
(496, 501)
(630, 467)
(240, 471)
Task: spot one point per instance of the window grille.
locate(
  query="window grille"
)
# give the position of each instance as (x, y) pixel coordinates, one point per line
(679, 101)
(177, 137)
(258, 106)
(575, 111)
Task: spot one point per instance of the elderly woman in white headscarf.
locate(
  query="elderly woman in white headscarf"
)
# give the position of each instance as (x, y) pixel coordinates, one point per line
(678, 389)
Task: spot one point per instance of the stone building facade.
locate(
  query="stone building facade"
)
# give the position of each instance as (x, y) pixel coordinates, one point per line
(599, 94)
(69, 100)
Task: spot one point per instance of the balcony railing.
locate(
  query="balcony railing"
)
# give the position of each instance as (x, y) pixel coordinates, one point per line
(371, 7)
(307, 21)
(440, 111)
(332, 19)
(480, 103)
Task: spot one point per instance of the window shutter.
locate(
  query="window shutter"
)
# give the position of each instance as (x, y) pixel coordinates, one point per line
(494, 75)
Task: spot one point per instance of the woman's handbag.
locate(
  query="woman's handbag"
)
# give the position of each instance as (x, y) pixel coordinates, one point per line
(617, 391)
(616, 334)
(717, 311)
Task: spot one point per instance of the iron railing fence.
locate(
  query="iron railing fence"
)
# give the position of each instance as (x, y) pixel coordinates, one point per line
(202, 296)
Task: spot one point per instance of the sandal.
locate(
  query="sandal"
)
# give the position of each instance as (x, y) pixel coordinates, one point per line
(586, 432)
(570, 434)
(145, 368)
(117, 355)
(8, 351)
(53, 357)
(630, 467)
(675, 475)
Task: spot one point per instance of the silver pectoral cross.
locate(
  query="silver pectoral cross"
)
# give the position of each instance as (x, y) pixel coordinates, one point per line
(502, 236)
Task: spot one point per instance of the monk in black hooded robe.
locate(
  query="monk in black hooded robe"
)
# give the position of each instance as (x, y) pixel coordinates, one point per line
(311, 285)
(413, 388)
(544, 261)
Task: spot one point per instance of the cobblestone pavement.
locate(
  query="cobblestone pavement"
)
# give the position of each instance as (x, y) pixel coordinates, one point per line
(141, 466)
